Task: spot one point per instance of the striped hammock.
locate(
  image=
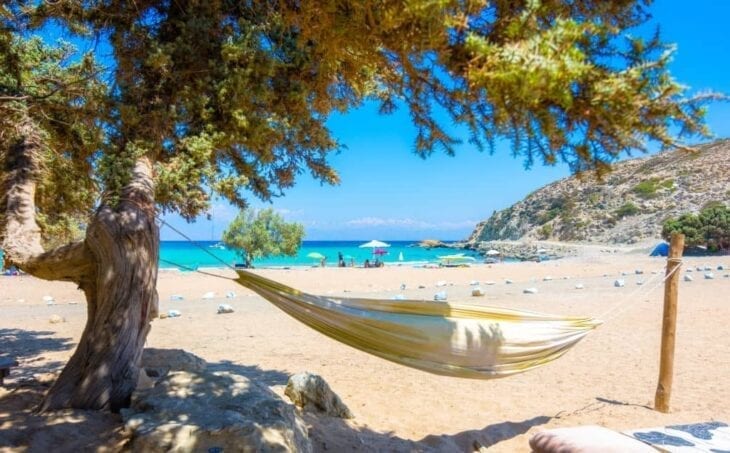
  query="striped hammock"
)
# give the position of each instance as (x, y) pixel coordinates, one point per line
(447, 339)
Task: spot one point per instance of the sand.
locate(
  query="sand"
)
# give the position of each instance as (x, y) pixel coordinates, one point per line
(608, 379)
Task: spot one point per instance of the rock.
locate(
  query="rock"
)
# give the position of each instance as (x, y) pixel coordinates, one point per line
(624, 273)
(721, 267)
(688, 278)
(707, 268)
(709, 275)
(163, 316)
(399, 297)
(213, 412)
(689, 269)
(49, 300)
(698, 269)
(530, 290)
(421, 286)
(55, 319)
(311, 393)
(579, 286)
(654, 272)
(224, 308)
(477, 292)
(176, 297)
(547, 278)
(619, 283)
(159, 362)
(508, 282)
(640, 282)
(144, 381)
(638, 272)
(73, 302)
(726, 276)
(173, 313)
(605, 275)
(230, 295)
(440, 283)
(209, 295)
(474, 283)
(490, 283)
(441, 295)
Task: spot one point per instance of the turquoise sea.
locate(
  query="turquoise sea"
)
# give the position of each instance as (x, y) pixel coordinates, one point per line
(188, 254)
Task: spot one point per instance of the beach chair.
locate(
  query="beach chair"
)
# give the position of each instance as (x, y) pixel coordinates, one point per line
(692, 438)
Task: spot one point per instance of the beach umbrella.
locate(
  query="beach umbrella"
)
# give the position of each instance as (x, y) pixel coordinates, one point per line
(458, 258)
(493, 252)
(374, 244)
(316, 256)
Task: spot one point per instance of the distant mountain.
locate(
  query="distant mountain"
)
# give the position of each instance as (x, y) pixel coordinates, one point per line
(629, 205)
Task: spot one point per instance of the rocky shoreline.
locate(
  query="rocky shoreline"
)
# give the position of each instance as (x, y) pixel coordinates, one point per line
(518, 250)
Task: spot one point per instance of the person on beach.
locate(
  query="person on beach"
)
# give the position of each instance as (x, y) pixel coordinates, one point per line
(340, 260)
(367, 263)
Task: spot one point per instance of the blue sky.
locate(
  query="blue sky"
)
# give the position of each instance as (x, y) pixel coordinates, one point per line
(387, 192)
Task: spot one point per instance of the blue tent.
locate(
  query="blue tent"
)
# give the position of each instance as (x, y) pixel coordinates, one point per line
(662, 249)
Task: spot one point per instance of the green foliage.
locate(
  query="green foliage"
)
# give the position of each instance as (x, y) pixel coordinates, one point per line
(545, 231)
(647, 188)
(710, 228)
(259, 234)
(626, 210)
(52, 94)
(231, 99)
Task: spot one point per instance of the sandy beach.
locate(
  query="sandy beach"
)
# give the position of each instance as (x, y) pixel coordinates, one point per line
(608, 379)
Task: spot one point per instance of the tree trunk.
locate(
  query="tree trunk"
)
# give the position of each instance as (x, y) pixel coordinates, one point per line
(121, 302)
(116, 267)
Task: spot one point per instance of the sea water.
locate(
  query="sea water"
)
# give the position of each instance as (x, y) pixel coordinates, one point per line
(212, 254)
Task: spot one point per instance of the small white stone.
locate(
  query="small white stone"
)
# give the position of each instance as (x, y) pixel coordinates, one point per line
(638, 272)
(209, 295)
(441, 295)
(490, 283)
(688, 278)
(399, 297)
(73, 302)
(639, 282)
(477, 292)
(176, 297)
(709, 275)
(440, 283)
(508, 281)
(547, 278)
(689, 269)
(474, 283)
(708, 268)
(402, 286)
(55, 319)
(530, 290)
(230, 295)
(619, 283)
(173, 313)
(224, 308)
(49, 300)
(579, 286)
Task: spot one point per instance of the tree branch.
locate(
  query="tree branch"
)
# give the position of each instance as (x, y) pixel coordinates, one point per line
(20, 234)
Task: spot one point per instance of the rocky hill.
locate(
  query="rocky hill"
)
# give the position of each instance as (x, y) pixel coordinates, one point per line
(629, 205)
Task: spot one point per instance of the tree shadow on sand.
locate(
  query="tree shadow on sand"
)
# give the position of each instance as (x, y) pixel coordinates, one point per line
(28, 347)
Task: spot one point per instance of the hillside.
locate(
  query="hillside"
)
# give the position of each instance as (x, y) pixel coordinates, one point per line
(629, 205)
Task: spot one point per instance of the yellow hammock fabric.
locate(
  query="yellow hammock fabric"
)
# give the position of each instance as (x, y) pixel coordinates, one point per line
(451, 340)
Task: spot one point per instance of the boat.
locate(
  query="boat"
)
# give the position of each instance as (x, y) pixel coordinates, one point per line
(218, 246)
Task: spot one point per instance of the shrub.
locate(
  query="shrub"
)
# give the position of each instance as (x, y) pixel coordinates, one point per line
(545, 231)
(647, 189)
(709, 228)
(628, 209)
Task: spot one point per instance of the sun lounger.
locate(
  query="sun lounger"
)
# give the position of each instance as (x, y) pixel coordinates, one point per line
(691, 438)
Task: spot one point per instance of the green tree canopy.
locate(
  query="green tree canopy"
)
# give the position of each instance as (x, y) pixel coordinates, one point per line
(709, 228)
(260, 234)
(234, 96)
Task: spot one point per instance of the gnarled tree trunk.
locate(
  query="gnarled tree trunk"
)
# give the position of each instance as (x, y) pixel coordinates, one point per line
(115, 265)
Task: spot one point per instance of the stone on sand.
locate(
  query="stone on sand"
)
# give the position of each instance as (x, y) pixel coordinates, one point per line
(224, 308)
(209, 295)
(218, 411)
(688, 278)
(709, 275)
(55, 319)
(579, 286)
(530, 290)
(161, 361)
(477, 292)
(312, 393)
(619, 283)
(441, 295)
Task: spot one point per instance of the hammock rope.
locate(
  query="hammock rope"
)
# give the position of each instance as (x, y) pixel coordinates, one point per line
(467, 341)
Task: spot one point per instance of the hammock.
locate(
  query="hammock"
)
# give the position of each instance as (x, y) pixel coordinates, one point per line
(451, 340)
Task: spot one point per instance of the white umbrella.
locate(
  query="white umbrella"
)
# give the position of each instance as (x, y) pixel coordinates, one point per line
(493, 252)
(374, 244)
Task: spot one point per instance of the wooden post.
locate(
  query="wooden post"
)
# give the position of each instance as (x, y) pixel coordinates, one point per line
(669, 325)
